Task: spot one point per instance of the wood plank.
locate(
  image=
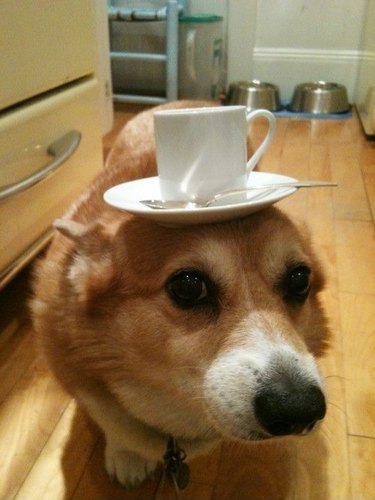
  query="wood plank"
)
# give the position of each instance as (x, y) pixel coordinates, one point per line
(270, 161)
(368, 173)
(27, 418)
(298, 133)
(368, 157)
(340, 131)
(350, 200)
(294, 162)
(16, 356)
(322, 465)
(319, 131)
(320, 168)
(355, 242)
(322, 469)
(369, 183)
(58, 468)
(362, 455)
(319, 209)
(356, 128)
(347, 143)
(358, 320)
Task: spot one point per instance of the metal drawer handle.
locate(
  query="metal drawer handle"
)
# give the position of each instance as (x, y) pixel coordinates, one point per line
(61, 150)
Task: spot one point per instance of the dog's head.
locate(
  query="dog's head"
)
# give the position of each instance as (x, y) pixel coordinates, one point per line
(204, 328)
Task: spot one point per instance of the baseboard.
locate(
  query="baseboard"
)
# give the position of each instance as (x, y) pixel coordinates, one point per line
(287, 67)
(264, 53)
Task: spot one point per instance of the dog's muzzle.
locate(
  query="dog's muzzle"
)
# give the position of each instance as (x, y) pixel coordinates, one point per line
(259, 394)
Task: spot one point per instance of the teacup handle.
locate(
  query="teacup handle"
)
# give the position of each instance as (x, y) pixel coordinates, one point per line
(266, 141)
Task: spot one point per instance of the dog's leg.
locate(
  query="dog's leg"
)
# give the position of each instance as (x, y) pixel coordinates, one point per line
(128, 468)
(133, 450)
(124, 435)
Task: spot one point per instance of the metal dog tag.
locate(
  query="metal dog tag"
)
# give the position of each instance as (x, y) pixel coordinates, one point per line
(182, 475)
(175, 467)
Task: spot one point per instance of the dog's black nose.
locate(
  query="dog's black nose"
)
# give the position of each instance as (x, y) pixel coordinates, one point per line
(283, 408)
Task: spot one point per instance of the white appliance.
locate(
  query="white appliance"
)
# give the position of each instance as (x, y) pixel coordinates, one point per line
(50, 123)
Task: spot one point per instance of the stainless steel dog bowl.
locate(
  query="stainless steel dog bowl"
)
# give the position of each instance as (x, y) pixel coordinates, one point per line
(254, 95)
(319, 98)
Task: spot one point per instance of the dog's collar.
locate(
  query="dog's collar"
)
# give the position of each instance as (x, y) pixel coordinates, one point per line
(174, 468)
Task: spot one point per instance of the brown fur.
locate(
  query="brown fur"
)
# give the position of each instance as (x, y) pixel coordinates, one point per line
(136, 362)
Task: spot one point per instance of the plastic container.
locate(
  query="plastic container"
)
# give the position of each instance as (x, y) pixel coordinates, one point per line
(201, 57)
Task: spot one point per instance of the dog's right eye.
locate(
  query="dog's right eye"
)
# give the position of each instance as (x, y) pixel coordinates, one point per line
(189, 288)
(296, 283)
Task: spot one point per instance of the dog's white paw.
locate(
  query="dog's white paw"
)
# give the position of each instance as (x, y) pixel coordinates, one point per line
(128, 468)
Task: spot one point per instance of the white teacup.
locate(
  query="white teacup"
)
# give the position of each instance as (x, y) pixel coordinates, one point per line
(202, 151)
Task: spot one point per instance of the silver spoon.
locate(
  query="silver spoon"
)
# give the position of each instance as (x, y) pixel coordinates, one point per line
(173, 204)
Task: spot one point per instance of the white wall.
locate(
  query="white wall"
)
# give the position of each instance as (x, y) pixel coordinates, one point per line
(317, 24)
(305, 40)
(290, 41)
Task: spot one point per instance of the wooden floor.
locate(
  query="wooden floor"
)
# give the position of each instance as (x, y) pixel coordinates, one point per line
(48, 450)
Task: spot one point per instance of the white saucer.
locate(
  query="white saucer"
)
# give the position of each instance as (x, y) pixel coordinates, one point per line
(127, 197)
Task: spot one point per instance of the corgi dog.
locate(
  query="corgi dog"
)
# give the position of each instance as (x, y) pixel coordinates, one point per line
(201, 332)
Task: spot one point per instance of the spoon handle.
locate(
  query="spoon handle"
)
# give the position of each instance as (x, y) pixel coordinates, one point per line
(292, 184)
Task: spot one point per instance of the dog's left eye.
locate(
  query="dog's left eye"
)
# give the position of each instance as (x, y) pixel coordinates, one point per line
(188, 288)
(296, 283)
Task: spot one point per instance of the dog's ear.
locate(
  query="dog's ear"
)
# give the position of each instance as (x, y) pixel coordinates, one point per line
(72, 229)
(91, 271)
(90, 239)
